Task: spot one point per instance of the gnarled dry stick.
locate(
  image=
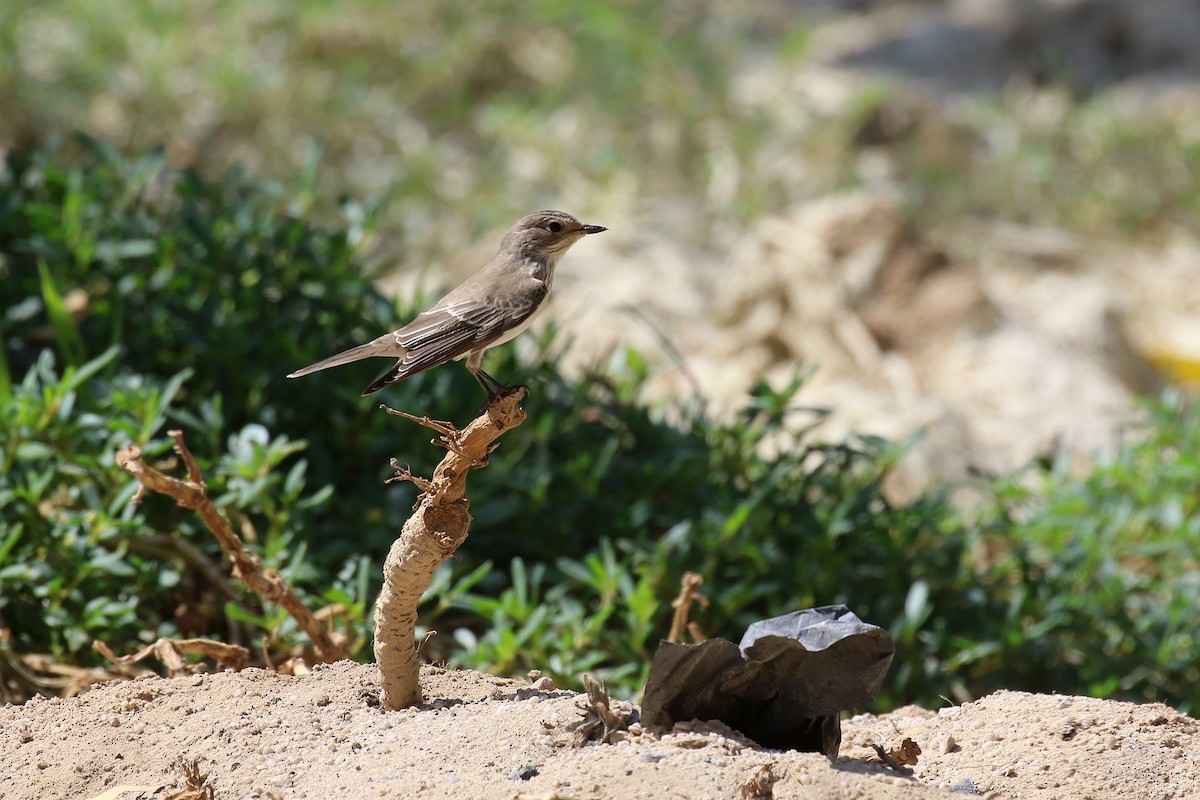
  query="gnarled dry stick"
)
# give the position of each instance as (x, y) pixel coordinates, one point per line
(435, 530)
(171, 652)
(266, 583)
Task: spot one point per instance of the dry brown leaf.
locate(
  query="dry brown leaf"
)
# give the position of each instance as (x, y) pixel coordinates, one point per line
(116, 791)
(898, 758)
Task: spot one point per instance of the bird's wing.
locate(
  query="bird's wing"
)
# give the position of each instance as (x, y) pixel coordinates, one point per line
(453, 329)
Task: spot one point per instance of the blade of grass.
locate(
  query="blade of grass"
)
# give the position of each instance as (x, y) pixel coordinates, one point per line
(66, 332)
(5, 376)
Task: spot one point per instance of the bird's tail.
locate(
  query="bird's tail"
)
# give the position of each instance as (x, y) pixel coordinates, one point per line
(385, 346)
(396, 373)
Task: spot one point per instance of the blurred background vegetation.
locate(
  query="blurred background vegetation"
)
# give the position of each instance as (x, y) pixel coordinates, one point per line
(247, 170)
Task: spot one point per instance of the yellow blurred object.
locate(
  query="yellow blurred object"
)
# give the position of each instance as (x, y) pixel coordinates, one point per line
(1182, 368)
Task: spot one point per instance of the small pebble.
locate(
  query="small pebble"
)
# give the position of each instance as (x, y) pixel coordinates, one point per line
(964, 786)
(523, 773)
(947, 744)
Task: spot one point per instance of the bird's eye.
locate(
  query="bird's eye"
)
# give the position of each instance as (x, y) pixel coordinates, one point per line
(554, 227)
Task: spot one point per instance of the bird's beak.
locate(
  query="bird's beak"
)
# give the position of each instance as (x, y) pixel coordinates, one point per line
(593, 229)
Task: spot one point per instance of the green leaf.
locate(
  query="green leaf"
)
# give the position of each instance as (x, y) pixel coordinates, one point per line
(10, 541)
(31, 451)
(73, 378)
(66, 332)
(236, 612)
(5, 376)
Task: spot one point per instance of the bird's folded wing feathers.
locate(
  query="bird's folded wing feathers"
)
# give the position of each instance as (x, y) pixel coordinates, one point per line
(449, 331)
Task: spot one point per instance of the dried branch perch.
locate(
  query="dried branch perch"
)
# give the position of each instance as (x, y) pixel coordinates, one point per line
(436, 529)
(266, 583)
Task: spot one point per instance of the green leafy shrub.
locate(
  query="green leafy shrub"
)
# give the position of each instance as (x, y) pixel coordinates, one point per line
(1100, 576)
(223, 279)
(78, 561)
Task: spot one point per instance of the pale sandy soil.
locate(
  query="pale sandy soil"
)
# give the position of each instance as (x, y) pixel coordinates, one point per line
(258, 735)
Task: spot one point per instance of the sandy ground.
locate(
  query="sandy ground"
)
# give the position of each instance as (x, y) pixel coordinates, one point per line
(257, 734)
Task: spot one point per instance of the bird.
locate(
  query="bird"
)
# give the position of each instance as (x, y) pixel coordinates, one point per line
(491, 307)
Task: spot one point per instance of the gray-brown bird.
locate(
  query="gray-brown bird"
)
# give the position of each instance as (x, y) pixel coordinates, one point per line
(489, 308)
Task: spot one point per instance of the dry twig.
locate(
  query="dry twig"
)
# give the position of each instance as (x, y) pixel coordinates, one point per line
(899, 758)
(171, 652)
(436, 529)
(689, 592)
(37, 672)
(266, 583)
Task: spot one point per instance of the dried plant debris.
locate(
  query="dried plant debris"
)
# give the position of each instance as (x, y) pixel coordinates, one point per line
(689, 592)
(196, 785)
(760, 785)
(171, 652)
(899, 758)
(124, 791)
(600, 723)
(25, 675)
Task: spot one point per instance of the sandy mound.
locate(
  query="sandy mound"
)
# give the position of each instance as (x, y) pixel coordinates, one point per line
(258, 735)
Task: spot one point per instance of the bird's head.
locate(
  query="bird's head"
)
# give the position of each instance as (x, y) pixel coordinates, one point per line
(547, 234)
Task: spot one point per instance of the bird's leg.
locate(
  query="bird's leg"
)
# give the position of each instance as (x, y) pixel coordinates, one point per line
(500, 389)
(485, 382)
(490, 385)
(494, 388)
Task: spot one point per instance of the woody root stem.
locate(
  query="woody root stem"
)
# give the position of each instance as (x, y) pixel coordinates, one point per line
(436, 529)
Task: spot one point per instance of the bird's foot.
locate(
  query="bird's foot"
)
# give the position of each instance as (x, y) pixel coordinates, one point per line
(519, 389)
(502, 391)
